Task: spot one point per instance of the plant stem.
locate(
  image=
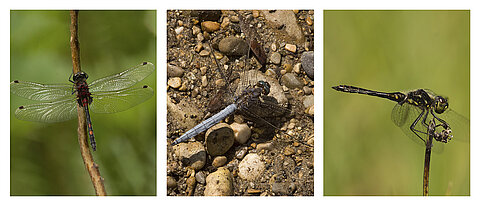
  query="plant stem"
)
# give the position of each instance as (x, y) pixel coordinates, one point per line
(90, 165)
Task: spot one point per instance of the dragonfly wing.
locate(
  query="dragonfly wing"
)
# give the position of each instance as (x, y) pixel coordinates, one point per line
(120, 100)
(124, 79)
(48, 112)
(40, 92)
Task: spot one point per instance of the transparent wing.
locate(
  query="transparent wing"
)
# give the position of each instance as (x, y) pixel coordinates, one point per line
(48, 112)
(120, 100)
(459, 124)
(40, 92)
(122, 80)
(405, 115)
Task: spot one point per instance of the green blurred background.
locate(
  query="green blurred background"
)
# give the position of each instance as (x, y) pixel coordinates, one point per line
(364, 152)
(45, 158)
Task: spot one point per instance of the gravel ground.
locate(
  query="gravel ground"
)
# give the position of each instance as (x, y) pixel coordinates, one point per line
(272, 161)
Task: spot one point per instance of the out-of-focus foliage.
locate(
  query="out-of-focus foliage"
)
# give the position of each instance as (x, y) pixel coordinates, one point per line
(45, 158)
(364, 152)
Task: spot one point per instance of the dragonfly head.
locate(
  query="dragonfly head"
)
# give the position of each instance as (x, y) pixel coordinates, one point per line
(265, 86)
(441, 104)
(80, 76)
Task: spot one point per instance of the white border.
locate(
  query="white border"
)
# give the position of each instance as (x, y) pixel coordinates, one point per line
(161, 7)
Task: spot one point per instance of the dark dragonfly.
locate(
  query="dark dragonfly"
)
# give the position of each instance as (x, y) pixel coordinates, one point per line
(421, 114)
(114, 93)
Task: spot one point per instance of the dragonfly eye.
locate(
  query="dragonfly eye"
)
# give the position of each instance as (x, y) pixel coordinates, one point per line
(441, 104)
(80, 75)
(265, 85)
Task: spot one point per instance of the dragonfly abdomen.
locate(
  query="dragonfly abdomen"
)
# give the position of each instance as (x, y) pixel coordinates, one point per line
(207, 123)
(395, 96)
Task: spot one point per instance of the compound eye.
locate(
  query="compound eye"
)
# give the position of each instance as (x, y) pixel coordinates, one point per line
(441, 105)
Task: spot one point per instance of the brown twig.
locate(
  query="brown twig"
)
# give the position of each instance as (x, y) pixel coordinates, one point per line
(90, 165)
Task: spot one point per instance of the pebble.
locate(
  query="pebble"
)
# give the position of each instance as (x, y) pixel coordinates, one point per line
(171, 183)
(198, 47)
(279, 188)
(200, 177)
(233, 46)
(210, 26)
(200, 37)
(204, 81)
(307, 90)
(242, 132)
(274, 46)
(290, 47)
(311, 141)
(220, 82)
(310, 110)
(265, 146)
(179, 30)
(203, 70)
(288, 67)
(204, 53)
(255, 13)
(174, 82)
(296, 67)
(196, 30)
(174, 71)
(308, 63)
(191, 183)
(191, 154)
(291, 81)
(225, 22)
(289, 22)
(309, 21)
(288, 151)
(219, 139)
(219, 161)
(270, 72)
(235, 19)
(308, 101)
(251, 167)
(219, 183)
(276, 58)
(241, 153)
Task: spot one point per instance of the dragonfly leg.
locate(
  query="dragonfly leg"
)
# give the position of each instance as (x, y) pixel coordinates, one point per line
(412, 126)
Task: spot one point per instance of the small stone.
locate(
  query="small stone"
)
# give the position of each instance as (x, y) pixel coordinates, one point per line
(307, 90)
(310, 110)
(235, 19)
(309, 21)
(251, 167)
(288, 151)
(290, 47)
(241, 153)
(218, 55)
(203, 70)
(296, 67)
(225, 22)
(179, 30)
(255, 13)
(276, 58)
(219, 139)
(219, 183)
(264, 146)
(200, 177)
(219, 161)
(270, 72)
(191, 154)
(171, 183)
(184, 86)
(210, 26)
(291, 81)
(204, 53)
(196, 30)
(274, 46)
(288, 67)
(242, 132)
(311, 141)
(308, 101)
(220, 82)
(233, 46)
(195, 92)
(198, 47)
(200, 37)
(253, 191)
(307, 60)
(174, 82)
(279, 188)
(174, 71)
(204, 81)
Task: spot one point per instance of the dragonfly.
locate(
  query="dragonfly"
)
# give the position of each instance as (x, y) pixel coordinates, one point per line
(114, 93)
(415, 108)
